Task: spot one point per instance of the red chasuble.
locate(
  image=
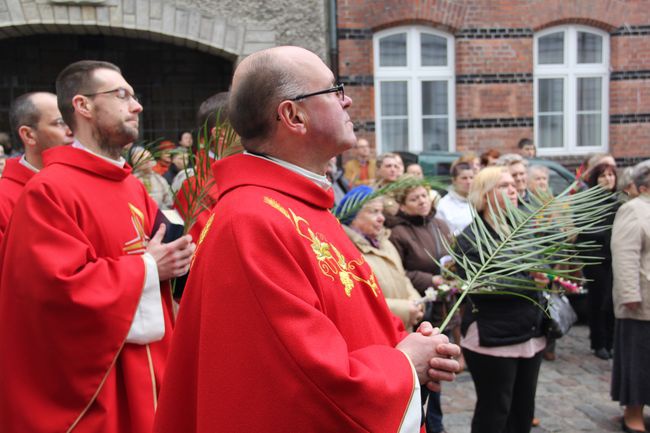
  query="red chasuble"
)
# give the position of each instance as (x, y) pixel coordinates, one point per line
(282, 327)
(14, 178)
(72, 277)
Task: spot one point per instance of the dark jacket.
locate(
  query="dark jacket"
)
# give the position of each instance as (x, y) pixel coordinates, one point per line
(416, 237)
(502, 320)
(600, 274)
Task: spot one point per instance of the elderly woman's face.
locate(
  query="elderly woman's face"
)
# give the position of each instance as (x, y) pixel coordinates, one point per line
(370, 219)
(417, 202)
(504, 191)
(518, 173)
(538, 181)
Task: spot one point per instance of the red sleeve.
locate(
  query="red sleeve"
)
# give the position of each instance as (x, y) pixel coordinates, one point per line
(54, 288)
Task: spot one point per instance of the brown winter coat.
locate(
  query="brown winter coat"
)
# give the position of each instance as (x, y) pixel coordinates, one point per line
(386, 264)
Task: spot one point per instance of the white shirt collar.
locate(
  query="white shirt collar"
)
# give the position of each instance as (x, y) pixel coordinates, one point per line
(25, 163)
(318, 179)
(119, 163)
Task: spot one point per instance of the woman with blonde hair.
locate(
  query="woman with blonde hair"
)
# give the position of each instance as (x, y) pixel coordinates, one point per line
(502, 335)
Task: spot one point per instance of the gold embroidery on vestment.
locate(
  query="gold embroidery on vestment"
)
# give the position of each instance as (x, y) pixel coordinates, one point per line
(137, 245)
(330, 260)
(202, 236)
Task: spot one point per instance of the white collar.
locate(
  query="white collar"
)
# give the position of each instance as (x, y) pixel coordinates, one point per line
(26, 163)
(318, 179)
(118, 163)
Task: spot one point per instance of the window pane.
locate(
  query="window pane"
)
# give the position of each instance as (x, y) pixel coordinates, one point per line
(392, 50)
(589, 129)
(551, 49)
(551, 131)
(589, 94)
(394, 134)
(551, 95)
(434, 50)
(590, 48)
(394, 101)
(435, 134)
(434, 98)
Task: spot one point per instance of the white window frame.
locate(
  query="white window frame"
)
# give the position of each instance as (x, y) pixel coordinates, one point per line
(414, 75)
(570, 71)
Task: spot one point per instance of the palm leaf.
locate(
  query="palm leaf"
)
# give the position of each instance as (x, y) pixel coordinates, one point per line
(533, 239)
(196, 192)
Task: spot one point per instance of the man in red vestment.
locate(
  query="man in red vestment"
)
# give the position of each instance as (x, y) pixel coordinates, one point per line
(37, 122)
(283, 327)
(86, 323)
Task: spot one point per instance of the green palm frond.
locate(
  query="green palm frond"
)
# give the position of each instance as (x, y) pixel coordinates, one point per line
(136, 159)
(530, 240)
(209, 147)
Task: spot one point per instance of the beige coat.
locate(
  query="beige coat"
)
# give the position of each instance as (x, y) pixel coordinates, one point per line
(631, 258)
(386, 263)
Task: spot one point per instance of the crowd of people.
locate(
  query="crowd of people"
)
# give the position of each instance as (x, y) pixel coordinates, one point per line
(282, 302)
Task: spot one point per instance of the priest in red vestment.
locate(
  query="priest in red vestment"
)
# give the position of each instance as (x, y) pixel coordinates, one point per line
(86, 323)
(283, 327)
(36, 121)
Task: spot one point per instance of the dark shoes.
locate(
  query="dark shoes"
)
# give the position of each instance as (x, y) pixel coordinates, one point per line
(602, 353)
(626, 429)
(549, 356)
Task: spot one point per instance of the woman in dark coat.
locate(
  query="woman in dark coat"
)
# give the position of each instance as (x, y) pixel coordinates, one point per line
(502, 335)
(599, 275)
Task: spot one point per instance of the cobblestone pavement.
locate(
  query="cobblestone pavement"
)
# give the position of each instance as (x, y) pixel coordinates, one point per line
(572, 393)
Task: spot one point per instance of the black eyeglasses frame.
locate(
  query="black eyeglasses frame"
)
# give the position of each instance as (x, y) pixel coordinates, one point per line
(335, 89)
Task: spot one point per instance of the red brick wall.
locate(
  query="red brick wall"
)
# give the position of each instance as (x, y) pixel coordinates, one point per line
(513, 54)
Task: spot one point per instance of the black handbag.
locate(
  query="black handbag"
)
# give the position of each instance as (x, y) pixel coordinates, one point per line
(561, 315)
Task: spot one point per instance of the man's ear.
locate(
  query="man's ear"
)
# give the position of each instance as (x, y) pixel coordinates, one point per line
(290, 115)
(27, 135)
(82, 105)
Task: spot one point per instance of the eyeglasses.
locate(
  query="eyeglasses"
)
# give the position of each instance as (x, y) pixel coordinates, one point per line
(338, 89)
(120, 93)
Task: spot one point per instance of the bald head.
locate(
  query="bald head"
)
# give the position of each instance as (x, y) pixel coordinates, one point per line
(261, 81)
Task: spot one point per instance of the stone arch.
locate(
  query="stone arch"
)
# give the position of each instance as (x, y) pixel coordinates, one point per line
(156, 20)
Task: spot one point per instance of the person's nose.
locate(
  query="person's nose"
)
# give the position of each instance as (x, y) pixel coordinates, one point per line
(347, 101)
(135, 106)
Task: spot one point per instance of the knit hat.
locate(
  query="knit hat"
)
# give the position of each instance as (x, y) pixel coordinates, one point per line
(352, 203)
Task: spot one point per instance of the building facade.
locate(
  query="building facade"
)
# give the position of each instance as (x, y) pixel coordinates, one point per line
(174, 53)
(468, 75)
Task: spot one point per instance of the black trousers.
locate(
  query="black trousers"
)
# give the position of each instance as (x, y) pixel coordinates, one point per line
(505, 392)
(601, 317)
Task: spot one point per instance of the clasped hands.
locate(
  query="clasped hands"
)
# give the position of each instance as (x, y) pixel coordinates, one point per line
(432, 355)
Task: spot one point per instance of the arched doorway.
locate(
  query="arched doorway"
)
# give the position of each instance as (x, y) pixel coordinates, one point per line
(170, 80)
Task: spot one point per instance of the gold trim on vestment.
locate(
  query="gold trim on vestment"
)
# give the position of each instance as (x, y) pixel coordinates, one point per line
(330, 260)
(153, 378)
